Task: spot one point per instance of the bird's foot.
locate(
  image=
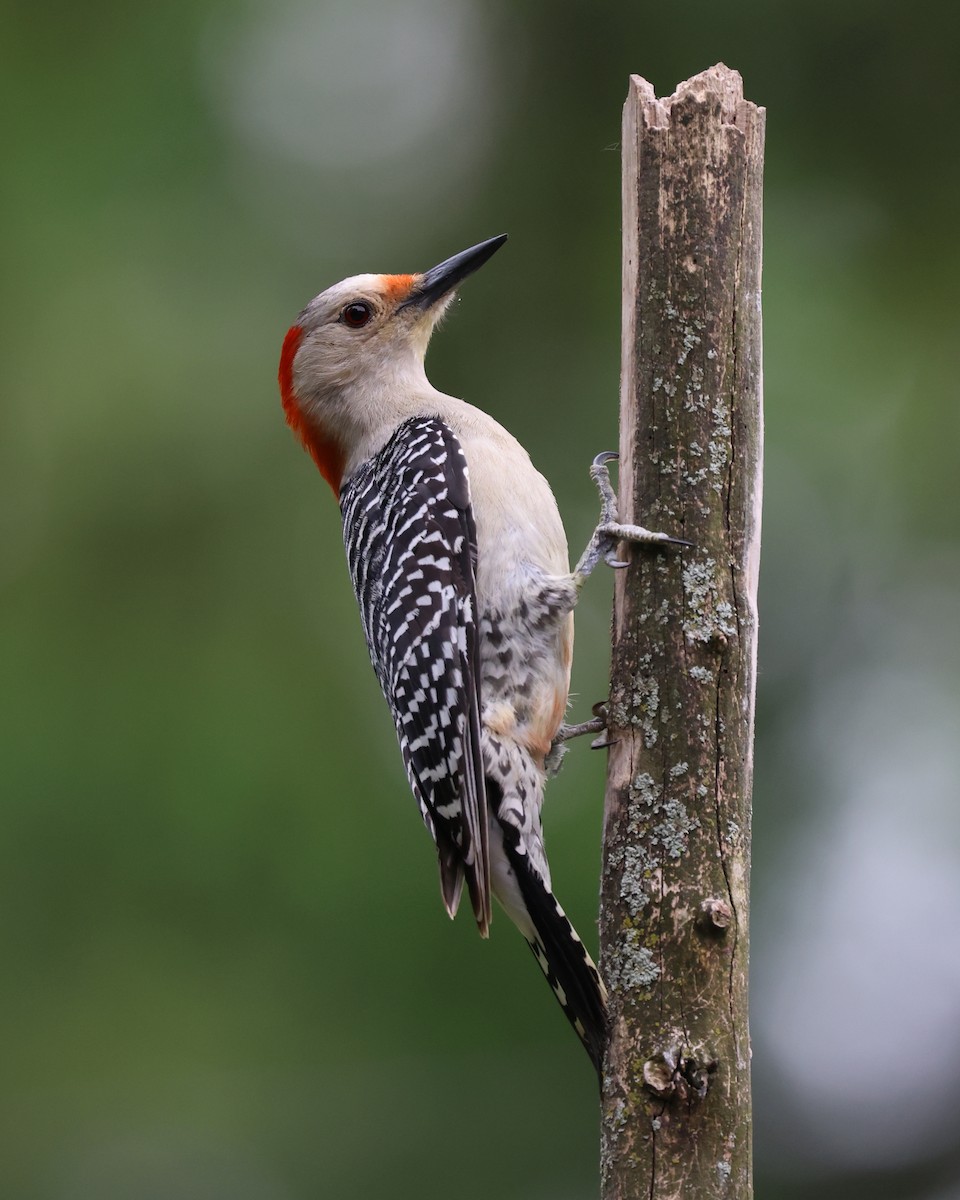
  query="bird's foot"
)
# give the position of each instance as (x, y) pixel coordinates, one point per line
(610, 529)
(566, 733)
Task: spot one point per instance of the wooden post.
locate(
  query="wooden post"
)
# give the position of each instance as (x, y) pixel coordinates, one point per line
(674, 904)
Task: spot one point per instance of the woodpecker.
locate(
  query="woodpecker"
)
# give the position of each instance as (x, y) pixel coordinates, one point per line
(460, 566)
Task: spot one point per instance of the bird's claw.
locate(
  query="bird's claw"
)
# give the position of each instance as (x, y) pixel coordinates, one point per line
(601, 478)
(567, 732)
(610, 529)
(603, 742)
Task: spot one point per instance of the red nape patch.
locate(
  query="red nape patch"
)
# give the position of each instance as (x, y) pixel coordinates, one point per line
(398, 287)
(291, 344)
(325, 450)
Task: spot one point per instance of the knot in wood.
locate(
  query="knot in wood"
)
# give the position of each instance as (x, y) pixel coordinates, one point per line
(715, 916)
(673, 1075)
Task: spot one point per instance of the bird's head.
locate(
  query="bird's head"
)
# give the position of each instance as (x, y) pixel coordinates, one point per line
(357, 340)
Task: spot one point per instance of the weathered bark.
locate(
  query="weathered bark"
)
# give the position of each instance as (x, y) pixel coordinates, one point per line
(674, 905)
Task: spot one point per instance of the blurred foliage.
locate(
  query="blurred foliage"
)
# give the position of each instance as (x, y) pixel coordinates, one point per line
(227, 972)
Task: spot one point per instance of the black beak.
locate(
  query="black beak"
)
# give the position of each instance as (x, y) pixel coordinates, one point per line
(443, 278)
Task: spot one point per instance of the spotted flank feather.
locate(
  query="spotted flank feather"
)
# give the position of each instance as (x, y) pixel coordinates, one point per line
(411, 543)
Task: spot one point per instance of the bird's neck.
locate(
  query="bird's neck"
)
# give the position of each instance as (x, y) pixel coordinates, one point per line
(370, 411)
(344, 425)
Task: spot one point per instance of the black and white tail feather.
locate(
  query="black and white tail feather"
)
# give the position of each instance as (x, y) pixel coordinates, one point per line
(556, 945)
(412, 547)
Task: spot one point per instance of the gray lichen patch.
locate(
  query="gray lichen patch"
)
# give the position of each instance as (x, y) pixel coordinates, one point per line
(669, 388)
(721, 421)
(691, 339)
(646, 706)
(695, 478)
(693, 475)
(638, 868)
(695, 399)
(633, 858)
(706, 616)
(633, 967)
(719, 445)
(718, 464)
(646, 791)
(675, 828)
(700, 674)
(671, 833)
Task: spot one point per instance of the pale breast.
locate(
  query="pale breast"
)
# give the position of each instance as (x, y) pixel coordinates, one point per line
(525, 593)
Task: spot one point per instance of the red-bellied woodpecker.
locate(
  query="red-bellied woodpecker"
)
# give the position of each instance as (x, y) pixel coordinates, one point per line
(460, 566)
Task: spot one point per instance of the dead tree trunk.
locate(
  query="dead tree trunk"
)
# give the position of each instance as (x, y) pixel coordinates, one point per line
(674, 905)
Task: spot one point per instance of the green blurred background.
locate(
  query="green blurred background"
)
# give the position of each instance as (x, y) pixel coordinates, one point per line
(226, 972)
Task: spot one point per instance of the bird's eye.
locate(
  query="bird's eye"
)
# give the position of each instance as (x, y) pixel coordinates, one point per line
(356, 315)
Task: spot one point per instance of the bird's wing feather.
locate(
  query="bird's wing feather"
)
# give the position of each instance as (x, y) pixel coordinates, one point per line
(411, 542)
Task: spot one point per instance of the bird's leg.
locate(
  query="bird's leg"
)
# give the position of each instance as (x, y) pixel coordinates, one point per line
(602, 545)
(566, 733)
(610, 530)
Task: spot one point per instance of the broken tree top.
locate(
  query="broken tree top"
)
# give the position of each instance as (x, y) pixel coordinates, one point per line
(717, 83)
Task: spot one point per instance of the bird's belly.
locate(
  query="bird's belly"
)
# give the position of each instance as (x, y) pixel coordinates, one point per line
(526, 648)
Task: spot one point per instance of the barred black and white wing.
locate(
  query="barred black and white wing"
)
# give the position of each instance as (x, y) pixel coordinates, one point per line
(411, 545)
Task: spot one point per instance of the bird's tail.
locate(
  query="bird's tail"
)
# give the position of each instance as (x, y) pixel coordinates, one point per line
(562, 956)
